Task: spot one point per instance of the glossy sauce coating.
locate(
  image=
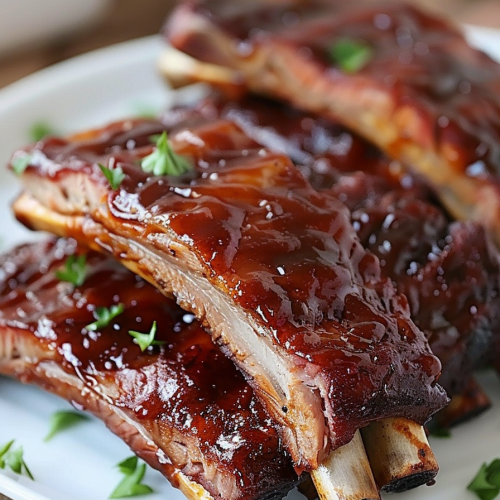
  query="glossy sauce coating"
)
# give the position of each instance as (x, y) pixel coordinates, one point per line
(449, 271)
(418, 62)
(284, 253)
(427, 66)
(185, 384)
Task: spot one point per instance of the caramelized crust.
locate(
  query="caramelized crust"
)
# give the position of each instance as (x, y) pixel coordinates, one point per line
(272, 266)
(182, 406)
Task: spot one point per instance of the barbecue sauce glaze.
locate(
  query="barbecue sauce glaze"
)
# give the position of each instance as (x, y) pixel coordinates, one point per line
(450, 271)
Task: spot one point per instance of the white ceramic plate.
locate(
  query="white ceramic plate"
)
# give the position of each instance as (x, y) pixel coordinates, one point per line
(79, 465)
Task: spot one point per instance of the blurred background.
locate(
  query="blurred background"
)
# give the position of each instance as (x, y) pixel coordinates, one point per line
(37, 33)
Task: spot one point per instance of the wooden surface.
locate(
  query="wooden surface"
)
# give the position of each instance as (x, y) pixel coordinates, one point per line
(127, 19)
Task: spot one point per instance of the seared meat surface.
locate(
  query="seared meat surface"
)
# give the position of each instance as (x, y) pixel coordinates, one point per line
(450, 271)
(423, 94)
(182, 406)
(271, 265)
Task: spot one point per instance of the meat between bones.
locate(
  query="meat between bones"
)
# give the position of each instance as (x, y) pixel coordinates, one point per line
(450, 271)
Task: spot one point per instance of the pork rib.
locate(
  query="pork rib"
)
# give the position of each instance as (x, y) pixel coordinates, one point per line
(273, 267)
(182, 406)
(449, 270)
(424, 96)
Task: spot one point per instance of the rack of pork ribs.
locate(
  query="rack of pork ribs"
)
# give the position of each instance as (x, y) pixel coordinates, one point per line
(424, 97)
(66, 193)
(448, 270)
(257, 244)
(275, 270)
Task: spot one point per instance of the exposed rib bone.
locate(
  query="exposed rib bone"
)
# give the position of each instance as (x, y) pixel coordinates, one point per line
(346, 474)
(180, 70)
(399, 454)
(192, 490)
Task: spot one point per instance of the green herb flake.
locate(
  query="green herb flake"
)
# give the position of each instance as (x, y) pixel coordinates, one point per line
(75, 270)
(163, 161)
(145, 340)
(13, 458)
(3, 451)
(63, 420)
(350, 55)
(128, 466)
(114, 176)
(486, 483)
(20, 163)
(131, 485)
(440, 432)
(40, 130)
(104, 316)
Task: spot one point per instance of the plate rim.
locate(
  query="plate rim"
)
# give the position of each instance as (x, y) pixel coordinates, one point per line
(76, 67)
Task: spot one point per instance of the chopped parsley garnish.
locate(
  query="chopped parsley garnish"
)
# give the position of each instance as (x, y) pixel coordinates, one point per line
(128, 465)
(4, 449)
(75, 270)
(104, 316)
(145, 340)
(115, 176)
(62, 420)
(486, 483)
(163, 161)
(20, 163)
(40, 130)
(130, 485)
(13, 458)
(350, 55)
